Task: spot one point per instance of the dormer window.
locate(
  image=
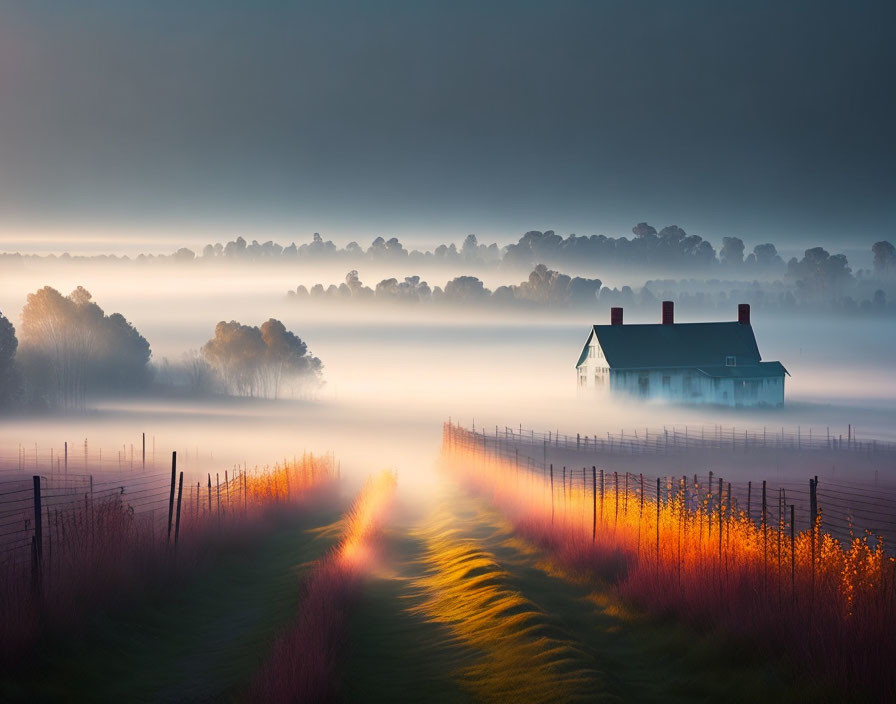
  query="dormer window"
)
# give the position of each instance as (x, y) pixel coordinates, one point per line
(730, 361)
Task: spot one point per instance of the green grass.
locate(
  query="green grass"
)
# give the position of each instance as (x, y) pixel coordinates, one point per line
(206, 637)
(394, 654)
(397, 656)
(201, 641)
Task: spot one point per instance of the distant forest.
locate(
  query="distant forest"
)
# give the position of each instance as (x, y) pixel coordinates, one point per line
(818, 281)
(70, 351)
(668, 249)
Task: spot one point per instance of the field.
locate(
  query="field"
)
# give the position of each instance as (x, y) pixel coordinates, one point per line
(447, 352)
(512, 578)
(445, 519)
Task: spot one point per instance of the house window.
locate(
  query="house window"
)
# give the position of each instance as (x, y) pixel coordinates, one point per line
(731, 361)
(667, 382)
(644, 384)
(583, 380)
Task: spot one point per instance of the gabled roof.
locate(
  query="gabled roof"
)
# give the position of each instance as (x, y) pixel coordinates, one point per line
(679, 345)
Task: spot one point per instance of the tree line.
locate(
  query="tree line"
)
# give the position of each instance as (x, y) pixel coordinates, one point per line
(543, 287)
(67, 350)
(818, 280)
(670, 248)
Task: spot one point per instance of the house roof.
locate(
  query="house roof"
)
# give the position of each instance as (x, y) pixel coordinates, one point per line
(751, 371)
(679, 345)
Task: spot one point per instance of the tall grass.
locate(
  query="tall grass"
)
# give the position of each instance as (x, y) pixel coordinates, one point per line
(103, 554)
(303, 663)
(524, 655)
(828, 607)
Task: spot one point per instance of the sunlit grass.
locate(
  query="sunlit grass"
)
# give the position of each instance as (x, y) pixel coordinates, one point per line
(304, 660)
(822, 603)
(525, 657)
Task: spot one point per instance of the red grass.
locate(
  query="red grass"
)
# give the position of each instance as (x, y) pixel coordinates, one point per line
(304, 660)
(827, 607)
(104, 555)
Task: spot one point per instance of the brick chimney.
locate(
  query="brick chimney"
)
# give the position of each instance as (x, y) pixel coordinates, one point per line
(668, 313)
(615, 316)
(743, 313)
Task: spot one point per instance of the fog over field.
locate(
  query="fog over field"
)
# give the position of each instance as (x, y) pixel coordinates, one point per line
(392, 374)
(434, 351)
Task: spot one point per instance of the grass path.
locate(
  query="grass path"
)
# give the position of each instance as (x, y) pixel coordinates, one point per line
(395, 654)
(201, 642)
(472, 613)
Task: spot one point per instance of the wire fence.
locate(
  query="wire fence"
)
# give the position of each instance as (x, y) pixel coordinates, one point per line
(844, 507)
(38, 510)
(85, 457)
(676, 439)
(45, 504)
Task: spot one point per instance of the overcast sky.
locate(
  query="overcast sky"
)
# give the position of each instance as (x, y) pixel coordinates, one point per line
(162, 121)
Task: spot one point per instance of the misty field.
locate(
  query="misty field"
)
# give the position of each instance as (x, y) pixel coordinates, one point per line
(351, 545)
(498, 352)
(506, 577)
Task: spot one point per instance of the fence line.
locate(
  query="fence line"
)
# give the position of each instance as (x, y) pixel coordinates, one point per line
(46, 504)
(844, 509)
(672, 439)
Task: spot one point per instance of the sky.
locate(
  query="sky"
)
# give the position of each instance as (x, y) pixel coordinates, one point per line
(150, 124)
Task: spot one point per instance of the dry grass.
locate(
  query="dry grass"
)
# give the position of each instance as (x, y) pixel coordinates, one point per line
(304, 660)
(103, 555)
(525, 657)
(826, 606)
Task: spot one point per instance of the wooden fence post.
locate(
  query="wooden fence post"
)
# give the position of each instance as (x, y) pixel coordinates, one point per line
(180, 491)
(813, 523)
(171, 495)
(721, 508)
(593, 502)
(792, 555)
(764, 539)
(584, 483)
(657, 523)
(552, 493)
(625, 497)
(38, 523)
(749, 496)
(616, 498)
(209, 494)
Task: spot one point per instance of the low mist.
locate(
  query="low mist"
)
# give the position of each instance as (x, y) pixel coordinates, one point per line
(392, 374)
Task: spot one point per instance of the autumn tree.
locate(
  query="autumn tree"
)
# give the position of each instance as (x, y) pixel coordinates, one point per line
(286, 358)
(71, 347)
(256, 361)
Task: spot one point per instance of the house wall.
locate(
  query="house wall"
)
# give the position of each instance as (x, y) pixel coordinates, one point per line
(694, 387)
(593, 375)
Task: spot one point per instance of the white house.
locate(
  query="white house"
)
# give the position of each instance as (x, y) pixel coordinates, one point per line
(693, 363)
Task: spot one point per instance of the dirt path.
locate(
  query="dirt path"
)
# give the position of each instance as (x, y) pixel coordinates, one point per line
(395, 654)
(471, 613)
(201, 642)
